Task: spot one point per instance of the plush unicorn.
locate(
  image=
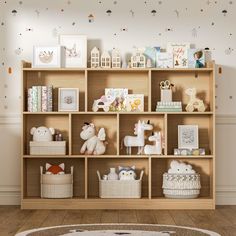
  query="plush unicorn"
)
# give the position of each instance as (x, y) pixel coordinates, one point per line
(194, 102)
(157, 147)
(137, 141)
(93, 144)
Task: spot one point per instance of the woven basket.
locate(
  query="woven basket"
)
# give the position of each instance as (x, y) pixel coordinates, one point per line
(48, 148)
(56, 186)
(181, 185)
(120, 188)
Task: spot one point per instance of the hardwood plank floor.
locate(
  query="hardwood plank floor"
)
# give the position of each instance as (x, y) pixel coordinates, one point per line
(13, 220)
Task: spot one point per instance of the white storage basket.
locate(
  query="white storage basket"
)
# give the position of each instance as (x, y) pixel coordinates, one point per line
(48, 148)
(181, 185)
(120, 188)
(56, 186)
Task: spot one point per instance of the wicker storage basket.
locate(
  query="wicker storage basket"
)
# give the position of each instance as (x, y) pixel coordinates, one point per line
(56, 186)
(181, 185)
(48, 148)
(120, 188)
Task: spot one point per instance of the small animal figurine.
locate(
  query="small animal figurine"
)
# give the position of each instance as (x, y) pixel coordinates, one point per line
(127, 173)
(137, 141)
(104, 102)
(177, 167)
(55, 169)
(42, 134)
(157, 147)
(194, 102)
(93, 145)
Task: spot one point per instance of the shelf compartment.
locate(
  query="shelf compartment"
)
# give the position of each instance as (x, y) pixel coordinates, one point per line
(105, 120)
(202, 80)
(202, 166)
(32, 175)
(136, 81)
(57, 78)
(127, 123)
(104, 165)
(59, 123)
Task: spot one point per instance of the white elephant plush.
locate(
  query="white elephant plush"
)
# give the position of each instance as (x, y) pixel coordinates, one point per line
(177, 167)
(42, 134)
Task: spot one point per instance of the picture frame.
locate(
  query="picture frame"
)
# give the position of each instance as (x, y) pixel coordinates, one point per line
(68, 99)
(75, 50)
(134, 102)
(47, 57)
(188, 137)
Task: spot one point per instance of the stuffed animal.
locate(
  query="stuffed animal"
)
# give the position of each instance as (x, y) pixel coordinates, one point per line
(93, 144)
(42, 134)
(177, 167)
(194, 102)
(55, 169)
(127, 173)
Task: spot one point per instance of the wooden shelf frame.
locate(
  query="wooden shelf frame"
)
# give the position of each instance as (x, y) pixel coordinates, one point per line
(93, 83)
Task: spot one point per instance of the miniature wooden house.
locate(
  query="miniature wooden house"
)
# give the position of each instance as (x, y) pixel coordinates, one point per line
(105, 60)
(115, 59)
(138, 60)
(95, 58)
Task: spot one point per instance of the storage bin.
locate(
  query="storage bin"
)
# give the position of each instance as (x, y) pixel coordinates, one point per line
(120, 188)
(56, 186)
(48, 148)
(181, 185)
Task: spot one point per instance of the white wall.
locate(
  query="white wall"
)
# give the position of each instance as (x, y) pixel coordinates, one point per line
(40, 22)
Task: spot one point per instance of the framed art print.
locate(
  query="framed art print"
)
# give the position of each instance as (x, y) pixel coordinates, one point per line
(188, 136)
(68, 99)
(75, 50)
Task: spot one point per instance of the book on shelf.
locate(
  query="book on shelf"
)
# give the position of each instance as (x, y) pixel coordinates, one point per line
(169, 107)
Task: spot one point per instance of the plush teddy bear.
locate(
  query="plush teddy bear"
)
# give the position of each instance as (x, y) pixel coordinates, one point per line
(42, 134)
(177, 167)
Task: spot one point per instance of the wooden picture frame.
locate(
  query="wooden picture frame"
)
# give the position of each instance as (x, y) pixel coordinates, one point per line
(68, 99)
(188, 136)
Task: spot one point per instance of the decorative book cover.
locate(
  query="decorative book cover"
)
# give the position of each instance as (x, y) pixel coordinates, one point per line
(196, 58)
(150, 53)
(50, 98)
(30, 100)
(164, 60)
(35, 98)
(119, 94)
(180, 54)
(134, 102)
(39, 98)
(44, 99)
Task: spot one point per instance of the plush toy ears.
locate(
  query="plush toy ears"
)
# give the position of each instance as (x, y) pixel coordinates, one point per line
(120, 168)
(62, 165)
(52, 130)
(48, 166)
(32, 130)
(133, 167)
(92, 125)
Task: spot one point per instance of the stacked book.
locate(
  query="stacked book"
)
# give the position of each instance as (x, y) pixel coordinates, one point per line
(169, 106)
(40, 99)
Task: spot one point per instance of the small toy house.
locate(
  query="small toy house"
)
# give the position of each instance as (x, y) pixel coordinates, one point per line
(138, 60)
(105, 60)
(95, 58)
(116, 59)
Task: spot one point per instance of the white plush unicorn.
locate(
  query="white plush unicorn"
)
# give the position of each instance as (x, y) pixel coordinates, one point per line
(137, 141)
(94, 144)
(157, 147)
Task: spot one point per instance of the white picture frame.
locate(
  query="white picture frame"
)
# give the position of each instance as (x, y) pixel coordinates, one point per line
(188, 137)
(75, 50)
(47, 56)
(68, 99)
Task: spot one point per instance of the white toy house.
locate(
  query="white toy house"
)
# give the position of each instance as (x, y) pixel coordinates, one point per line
(115, 59)
(95, 58)
(138, 60)
(105, 60)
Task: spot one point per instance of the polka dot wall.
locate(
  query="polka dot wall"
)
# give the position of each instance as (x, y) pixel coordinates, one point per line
(122, 24)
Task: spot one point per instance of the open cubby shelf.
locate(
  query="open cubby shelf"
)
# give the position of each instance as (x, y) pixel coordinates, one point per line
(91, 84)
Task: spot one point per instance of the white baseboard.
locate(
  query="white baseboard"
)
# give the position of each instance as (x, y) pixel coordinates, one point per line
(10, 195)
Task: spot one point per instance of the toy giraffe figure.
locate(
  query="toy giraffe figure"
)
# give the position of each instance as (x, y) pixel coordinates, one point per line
(194, 102)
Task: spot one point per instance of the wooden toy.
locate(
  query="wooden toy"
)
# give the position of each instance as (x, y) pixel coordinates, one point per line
(194, 102)
(115, 58)
(157, 147)
(105, 60)
(138, 60)
(95, 58)
(104, 102)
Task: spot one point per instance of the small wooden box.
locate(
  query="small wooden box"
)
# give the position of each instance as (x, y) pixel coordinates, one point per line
(48, 148)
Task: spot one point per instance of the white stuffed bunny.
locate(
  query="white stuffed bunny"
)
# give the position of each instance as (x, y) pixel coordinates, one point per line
(177, 167)
(42, 134)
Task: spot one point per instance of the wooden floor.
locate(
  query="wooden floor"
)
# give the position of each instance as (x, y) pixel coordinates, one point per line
(13, 220)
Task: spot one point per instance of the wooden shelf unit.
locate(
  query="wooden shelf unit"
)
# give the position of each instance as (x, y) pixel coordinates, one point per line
(92, 83)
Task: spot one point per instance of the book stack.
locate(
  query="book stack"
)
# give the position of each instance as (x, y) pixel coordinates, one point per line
(40, 99)
(169, 106)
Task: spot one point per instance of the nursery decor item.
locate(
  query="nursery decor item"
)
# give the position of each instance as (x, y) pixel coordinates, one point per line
(178, 167)
(139, 140)
(157, 147)
(76, 50)
(47, 56)
(150, 54)
(169, 107)
(55, 169)
(116, 58)
(166, 91)
(112, 175)
(134, 102)
(127, 173)
(95, 58)
(164, 60)
(105, 60)
(93, 145)
(188, 136)
(180, 54)
(103, 103)
(194, 102)
(138, 60)
(196, 58)
(42, 134)
(58, 185)
(120, 188)
(186, 152)
(68, 99)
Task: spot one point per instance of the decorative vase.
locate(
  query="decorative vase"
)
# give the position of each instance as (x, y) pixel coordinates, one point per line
(112, 175)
